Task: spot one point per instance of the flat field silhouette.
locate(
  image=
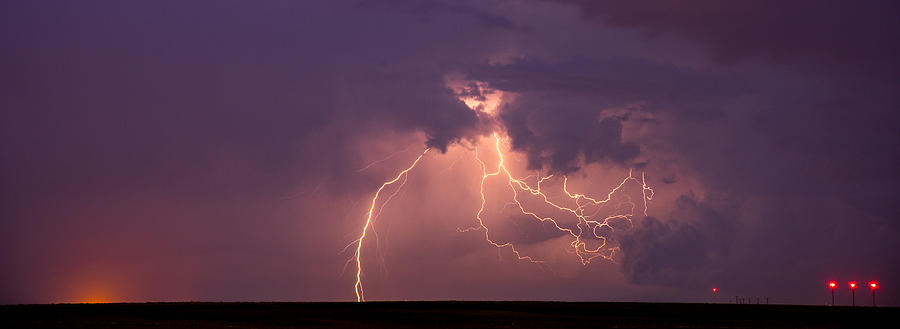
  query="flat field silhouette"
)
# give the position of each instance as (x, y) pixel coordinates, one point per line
(443, 314)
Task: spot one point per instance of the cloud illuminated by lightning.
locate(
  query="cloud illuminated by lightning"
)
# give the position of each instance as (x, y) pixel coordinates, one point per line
(586, 222)
(589, 225)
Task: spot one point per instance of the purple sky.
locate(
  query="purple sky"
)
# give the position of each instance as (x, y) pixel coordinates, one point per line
(212, 150)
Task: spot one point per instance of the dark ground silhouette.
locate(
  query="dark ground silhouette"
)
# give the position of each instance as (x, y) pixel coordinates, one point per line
(443, 314)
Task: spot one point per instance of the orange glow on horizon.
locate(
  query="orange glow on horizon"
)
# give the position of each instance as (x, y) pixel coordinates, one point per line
(95, 300)
(94, 296)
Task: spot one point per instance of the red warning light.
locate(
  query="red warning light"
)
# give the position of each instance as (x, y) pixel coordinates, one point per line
(715, 290)
(874, 286)
(852, 285)
(832, 284)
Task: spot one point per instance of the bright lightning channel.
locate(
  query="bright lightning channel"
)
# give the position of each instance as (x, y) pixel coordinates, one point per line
(360, 294)
(586, 222)
(578, 244)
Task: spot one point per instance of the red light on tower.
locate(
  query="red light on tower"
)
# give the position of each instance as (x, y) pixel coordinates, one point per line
(832, 284)
(715, 290)
(873, 285)
(852, 285)
(853, 291)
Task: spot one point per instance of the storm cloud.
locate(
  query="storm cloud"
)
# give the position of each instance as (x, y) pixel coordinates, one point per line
(225, 150)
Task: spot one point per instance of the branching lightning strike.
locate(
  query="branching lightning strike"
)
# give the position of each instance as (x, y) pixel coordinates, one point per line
(589, 225)
(586, 222)
(360, 295)
(578, 243)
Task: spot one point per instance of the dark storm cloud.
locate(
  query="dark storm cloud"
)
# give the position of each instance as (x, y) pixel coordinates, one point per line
(561, 140)
(427, 10)
(157, 141)
(806, 150)
(782, 138)
(557, 118)
(412, 101)
(688, 249)
(845, 37)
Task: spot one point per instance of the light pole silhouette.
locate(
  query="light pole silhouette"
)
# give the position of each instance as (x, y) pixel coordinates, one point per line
(874, 286)
(853, 291)
(832, 285)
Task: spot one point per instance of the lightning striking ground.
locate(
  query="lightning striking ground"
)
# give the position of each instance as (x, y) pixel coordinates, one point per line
(360, 294)
(589, 225)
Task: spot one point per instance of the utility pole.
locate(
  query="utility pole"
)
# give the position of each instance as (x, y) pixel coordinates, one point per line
(874, 286)
(832, 285)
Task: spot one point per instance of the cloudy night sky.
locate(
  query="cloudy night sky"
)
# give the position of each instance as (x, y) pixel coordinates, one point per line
(230, 150)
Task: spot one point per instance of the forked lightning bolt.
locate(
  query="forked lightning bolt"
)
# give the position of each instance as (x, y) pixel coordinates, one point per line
(589, 222)
(360, 296)
(587, 226)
